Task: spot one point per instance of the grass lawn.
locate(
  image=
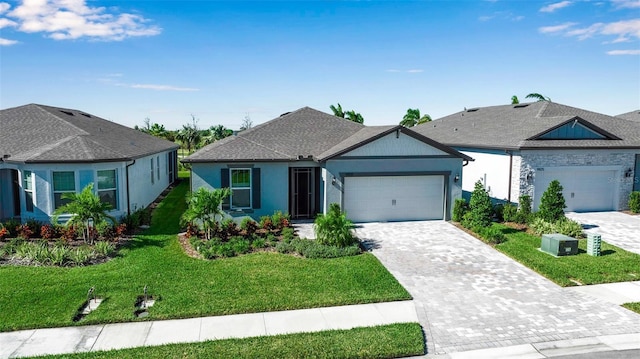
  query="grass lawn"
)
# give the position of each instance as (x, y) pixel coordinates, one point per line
(35, 297)
(635, 306)
(388, 341)
(614, 265)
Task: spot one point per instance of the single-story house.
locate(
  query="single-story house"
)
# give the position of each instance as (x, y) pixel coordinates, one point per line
(48, 151)
(305, 160)
(519, 149)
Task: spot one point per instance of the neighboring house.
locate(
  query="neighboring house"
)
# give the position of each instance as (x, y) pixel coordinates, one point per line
(48, 151)
(633, 115)
(305, 160)
(519, 149)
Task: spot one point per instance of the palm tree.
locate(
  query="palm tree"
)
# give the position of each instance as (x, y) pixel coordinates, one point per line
(354, 116)
(189, 135)
(514, 100)
(217, 133)
(538, 97)
(204, 207)
(83, 206)
(413, 118)
(337, 111)
(157, 130)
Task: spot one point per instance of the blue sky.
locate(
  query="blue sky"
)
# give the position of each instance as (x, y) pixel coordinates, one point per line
(221, 61)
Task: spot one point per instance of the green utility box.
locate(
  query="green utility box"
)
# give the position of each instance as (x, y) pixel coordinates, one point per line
(559, 245)
(594, 242)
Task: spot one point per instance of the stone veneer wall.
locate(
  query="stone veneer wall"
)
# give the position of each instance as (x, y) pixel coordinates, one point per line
(530, 160)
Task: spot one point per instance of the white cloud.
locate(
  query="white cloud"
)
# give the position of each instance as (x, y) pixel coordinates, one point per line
(73, 19)
(586, 32)
(415, 71)
(7, 42)
(6, 22)
(4, 7)
(161, 87)
(555, 6)
(623, 29)
(623, 52)
(556, 28)
(628, 4)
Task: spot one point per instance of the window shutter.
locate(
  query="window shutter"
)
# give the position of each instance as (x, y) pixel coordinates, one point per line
(224, 183)
(255, 187)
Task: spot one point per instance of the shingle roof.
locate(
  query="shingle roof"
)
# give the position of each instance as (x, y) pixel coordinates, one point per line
(512, 126)
(305, 132)
(633, 115)
(37, 133)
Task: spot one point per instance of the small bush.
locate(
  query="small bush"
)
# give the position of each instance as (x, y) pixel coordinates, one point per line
(24, 231)
(334, 228)
(145, 216)
(69, 233)
(266, 223)
(288, 233)
(48, 232)
(552, 203)
(498, 212)
(492, 235)
(80, 256)
(239, 245)
(249, 226)
(258, 243)
(280, 220)
(131, 221)
(509, 212)
(11, 225)
(565, 226)
(104, 248)
(460, 207)
(59, 255)
(480, 208)
(106, 231)
(634, 202)
(524, 209)
(4, 233)
(314, 250)
(34, 225)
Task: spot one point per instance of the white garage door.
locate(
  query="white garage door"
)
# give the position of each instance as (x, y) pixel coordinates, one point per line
(394, 198)
(583, 189)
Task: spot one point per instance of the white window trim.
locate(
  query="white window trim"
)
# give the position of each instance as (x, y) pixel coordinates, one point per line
(153, 179)
(98, 190)
(32, 190)
(53, 191)
(250, 188)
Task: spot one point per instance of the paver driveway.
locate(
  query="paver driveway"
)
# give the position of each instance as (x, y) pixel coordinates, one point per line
(616, 228)
(470, 296)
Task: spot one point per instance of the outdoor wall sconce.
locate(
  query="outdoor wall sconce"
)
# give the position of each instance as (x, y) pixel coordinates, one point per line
(456, 178)
(333, 180)
(529, 176)
(628, 173)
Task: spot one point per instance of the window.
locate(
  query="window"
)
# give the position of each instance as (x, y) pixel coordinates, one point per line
(240, 188)
(27, 185)
(158, 166)
(107, 187)
(63, 182)
(152, 174)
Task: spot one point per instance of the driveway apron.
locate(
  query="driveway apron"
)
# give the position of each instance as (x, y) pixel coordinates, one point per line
(615, 228)
(470, 296)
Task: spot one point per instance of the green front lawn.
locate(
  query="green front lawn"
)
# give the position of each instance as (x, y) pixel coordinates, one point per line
(635, 306)
(614, 265)
(388, 341)
(34, 297)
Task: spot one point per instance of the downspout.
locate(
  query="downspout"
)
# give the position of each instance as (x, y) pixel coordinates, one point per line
(510, 174)
(127, 175)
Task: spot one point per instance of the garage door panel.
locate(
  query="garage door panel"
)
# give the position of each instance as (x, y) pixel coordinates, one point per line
(394, 198)
(583, 190)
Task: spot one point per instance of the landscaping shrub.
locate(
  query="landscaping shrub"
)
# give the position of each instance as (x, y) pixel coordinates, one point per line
(69, 233)
(280, 220)
(80, 256)
(131, 221)
(498, 212)
(480, 209)
(34, 226)
(509, 212)
(524, 209)
(491, 235)
(566, 226)
(4, 233)
(314, 250)
(249, 226)
(258, 243)
(460, 207)
(552, 204)
(239, 245)
(266, 223)
(634, 202)
(288, 233)
(106, 231)
(24, 231)
(104, 248)
(334, 228)
(12, 227)
(59, 255)
(48, 231)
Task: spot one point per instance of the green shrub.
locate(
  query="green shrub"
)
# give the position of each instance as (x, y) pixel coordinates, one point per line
(10, 247)
(498, 212)
(280, 220)
(59, 255)
(480, 208)
(106, 231)
(313, 250)
(492, 235)
(509, 212)
(634, 202)
(288, 233)
(460, 207)
(80, 256)
(258, 243)
(266, 223)
(239, 245)
(34, 226)
(12, 227)
(105, 248)
(565, 226)
(249, 226)
(524, 209)
(552, 204)
(334, 228)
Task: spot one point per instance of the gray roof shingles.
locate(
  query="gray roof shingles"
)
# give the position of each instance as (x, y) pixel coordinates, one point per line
(633, 115)
(40, 134)
(512, 126)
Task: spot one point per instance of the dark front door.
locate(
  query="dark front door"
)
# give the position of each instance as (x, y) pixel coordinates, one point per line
(15, 184)
(636, 175)
(304, 189)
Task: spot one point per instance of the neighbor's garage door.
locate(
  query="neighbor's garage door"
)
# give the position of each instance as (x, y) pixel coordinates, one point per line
(583, 189)
(394, 198)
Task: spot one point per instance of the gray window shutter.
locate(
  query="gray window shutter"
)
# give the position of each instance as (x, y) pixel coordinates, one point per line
(255, 186)
(224, 183)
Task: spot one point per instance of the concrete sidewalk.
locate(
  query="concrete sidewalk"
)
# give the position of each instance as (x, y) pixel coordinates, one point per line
(616, 293)
(26, 343)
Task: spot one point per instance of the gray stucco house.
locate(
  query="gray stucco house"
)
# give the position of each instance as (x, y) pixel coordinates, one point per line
(47, 151)
(305, 160)
(519, 149)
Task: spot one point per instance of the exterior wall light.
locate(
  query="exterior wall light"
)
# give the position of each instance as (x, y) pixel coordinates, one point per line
(456, 178)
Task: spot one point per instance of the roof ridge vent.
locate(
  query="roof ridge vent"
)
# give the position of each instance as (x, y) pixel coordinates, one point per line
(67, 112)
(85, 114)
(473, 109)
(286, 113)
(521, 105)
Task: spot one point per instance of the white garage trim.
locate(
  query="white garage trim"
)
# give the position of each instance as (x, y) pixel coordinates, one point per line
(395, 197)
(585, 188)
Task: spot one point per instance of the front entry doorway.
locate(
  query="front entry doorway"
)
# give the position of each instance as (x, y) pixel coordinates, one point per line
(304, 192)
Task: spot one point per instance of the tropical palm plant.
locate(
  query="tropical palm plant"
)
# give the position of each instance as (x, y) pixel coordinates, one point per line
(204, 208)
(337, 111)
(514, 100)
(217, 133)
(83, 206)
(189, 136)
(413, 118)
(354, 116)
(538, 97)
